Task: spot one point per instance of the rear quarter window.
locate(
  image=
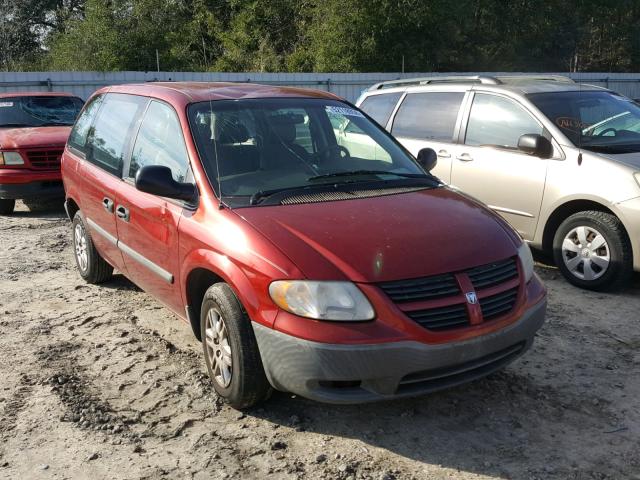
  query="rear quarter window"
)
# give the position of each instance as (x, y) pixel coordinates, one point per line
(80, 130)
(430, 115)
(380, 107)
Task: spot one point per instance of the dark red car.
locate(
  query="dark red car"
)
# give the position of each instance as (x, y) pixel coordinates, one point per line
(301, 266)
(34, 128)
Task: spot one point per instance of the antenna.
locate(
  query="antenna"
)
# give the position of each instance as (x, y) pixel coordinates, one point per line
(580, 128)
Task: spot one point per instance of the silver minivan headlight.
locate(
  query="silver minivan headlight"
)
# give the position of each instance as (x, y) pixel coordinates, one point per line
(526, 260)
(339, 301)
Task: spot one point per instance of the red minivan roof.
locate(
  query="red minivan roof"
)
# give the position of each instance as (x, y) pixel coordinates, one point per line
(190, 92)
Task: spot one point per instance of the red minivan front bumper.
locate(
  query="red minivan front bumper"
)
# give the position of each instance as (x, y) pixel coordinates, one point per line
(400, 364)
(19, 183)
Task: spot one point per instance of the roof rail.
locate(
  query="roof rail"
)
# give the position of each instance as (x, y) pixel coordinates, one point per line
(441, 79)
(528, 78)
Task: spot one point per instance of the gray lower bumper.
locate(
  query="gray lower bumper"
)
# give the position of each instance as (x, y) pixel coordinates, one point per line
(364, 373)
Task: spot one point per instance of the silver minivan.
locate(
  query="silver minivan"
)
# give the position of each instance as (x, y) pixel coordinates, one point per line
(558, 160)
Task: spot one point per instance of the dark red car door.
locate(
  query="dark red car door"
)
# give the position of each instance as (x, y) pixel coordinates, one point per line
(148, 224)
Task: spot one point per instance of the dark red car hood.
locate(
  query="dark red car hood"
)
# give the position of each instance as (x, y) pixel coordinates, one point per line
(386, 238)
(33, 137)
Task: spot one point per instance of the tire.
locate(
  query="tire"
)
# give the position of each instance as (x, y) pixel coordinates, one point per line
(6, 206)
(242, 383)
(593, 251)
(92, 267)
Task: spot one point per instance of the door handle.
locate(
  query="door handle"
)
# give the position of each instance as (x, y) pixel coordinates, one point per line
(107, 203)
(444, 154)
(464, 157)
(122, 213)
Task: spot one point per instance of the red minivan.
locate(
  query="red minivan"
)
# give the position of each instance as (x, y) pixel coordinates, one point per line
(34, 128)
(307, 261)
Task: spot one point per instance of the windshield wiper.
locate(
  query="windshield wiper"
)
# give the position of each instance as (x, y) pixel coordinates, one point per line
(261, 195)
(354, 173)
(55, 124)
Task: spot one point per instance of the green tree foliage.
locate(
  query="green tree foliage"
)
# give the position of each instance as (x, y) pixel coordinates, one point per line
(25, 26)
(327, 35)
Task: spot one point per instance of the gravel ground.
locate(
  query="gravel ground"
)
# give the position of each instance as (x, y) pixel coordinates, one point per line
(103, 382)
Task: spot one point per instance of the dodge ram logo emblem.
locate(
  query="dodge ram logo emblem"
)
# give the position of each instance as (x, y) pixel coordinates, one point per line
(472, 298)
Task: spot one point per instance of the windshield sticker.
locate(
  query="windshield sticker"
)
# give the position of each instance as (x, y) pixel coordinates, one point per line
(570, 123)
(6, 104)
(345, 111)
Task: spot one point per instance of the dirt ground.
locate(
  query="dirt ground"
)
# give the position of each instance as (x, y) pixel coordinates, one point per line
(103, 382)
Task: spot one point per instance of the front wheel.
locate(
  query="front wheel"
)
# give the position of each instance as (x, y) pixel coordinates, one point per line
(230, 349)
(6, 206)
(593, 251)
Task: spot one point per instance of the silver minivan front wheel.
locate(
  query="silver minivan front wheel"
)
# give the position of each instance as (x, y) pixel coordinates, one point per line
(592, 250)
(585, 253)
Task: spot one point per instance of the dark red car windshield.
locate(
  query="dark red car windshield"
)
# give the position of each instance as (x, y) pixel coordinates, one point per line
(253, 147)
(38, 111)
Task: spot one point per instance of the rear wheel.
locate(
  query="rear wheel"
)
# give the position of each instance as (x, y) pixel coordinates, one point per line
(592, 250)
(230, 349)
(92, 267)
(6, 206)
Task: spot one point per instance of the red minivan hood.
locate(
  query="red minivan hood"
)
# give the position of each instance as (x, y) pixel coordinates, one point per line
(385, 238)
(33, 137)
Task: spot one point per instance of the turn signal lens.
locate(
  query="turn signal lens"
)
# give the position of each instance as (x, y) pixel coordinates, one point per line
(337, 301)
(524, 252)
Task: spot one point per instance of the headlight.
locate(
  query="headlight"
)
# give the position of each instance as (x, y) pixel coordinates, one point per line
(526, 259)
(322, 300)
(11, 158)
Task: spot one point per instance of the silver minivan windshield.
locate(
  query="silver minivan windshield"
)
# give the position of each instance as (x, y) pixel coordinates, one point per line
(595, 120)
(255, 148)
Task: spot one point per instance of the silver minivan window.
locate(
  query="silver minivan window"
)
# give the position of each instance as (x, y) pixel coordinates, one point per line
(380, 107)
(498, 121)
(429, 115)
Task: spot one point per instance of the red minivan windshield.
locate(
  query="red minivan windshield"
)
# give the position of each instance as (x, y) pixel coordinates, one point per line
(257, 150)
(38, 111)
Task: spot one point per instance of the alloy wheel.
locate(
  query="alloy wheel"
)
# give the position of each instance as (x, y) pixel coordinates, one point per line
(586, 253)
(218, 348)
(80, 242)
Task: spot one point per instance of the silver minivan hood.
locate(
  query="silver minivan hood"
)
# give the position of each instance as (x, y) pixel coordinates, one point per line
(630, 159)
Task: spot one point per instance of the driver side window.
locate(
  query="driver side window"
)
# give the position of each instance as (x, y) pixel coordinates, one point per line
(160, 142)
(498, 121)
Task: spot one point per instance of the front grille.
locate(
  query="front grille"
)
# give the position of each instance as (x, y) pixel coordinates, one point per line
(420, 289)
(455, 314)
(436, 379)
(442, 318)
(497, 305)
(493, 274)
(45, 159)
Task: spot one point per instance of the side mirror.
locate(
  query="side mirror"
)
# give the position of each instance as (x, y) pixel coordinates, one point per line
(427, 158)
(535, 145)
(158, 180)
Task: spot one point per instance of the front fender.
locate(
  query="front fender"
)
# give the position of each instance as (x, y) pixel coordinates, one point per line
(251, 292)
